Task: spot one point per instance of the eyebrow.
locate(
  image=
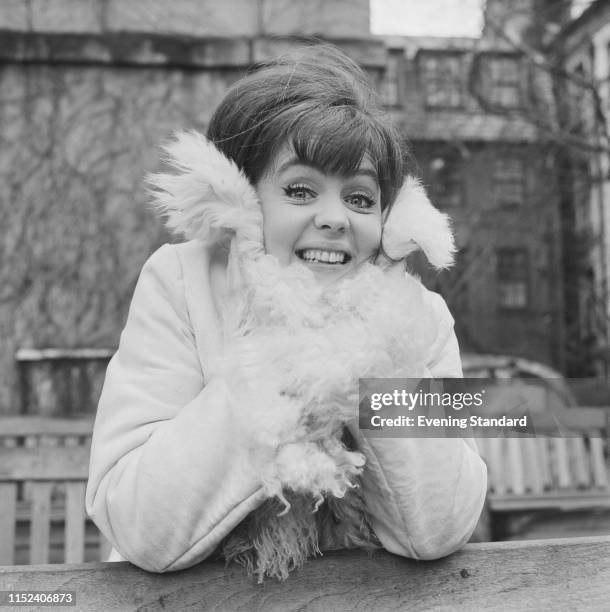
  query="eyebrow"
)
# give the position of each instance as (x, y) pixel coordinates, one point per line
(295, 161)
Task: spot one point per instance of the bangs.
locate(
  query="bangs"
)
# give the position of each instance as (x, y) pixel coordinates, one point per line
(337, 139)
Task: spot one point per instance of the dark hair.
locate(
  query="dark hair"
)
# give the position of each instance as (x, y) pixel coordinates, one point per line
(322, 102)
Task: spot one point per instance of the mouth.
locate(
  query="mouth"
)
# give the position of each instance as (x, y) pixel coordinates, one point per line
(324, 256)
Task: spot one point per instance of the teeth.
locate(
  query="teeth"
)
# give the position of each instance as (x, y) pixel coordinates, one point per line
(315, 255)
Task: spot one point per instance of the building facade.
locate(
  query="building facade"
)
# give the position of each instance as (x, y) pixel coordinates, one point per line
(582, 49)
(465, 106)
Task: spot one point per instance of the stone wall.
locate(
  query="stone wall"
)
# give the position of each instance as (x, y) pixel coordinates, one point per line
(75, 143)
(189, 17)
(82, 116)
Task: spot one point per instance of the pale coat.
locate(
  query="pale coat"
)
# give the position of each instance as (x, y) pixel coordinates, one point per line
(207, 404)
(172, 467)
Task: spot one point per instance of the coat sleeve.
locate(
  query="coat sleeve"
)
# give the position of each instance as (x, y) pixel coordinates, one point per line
(171, 470)
(425, 495)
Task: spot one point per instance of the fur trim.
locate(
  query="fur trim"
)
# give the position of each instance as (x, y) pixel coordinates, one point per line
(272, 544)
(413, 222)
(208, 197)
(295, 361)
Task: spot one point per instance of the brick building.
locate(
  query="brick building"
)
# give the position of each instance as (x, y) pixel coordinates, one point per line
(466, 106)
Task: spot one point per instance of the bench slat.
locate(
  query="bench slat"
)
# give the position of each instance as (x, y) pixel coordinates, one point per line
(75, 522)
(600, 472)
(36, 426)
(515, 466)
(497, 473)
(534, 474)
(44, 463)
(8, 502)
(561, 463)
(40, 526)
(579, 462)
(544, 462)
(567, 500)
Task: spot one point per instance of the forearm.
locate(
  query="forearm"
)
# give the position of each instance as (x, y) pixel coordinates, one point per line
(167, 503)
(424, 495)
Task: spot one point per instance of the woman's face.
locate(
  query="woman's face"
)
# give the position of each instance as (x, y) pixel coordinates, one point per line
(329, 223)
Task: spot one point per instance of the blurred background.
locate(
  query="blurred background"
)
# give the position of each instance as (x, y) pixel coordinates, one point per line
(505, 106)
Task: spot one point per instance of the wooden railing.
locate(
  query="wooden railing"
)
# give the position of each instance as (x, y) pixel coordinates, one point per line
(569, 574)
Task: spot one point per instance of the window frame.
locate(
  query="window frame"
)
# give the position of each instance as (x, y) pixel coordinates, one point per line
(392, 82)
(511, 276)
(491, 84)
(452, 160)
(452, 97)
(507, 180)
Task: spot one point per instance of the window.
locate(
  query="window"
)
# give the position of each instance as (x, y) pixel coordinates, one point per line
(508, 182)
(390, 85)
(502, 81)
(512, 274)
(442, 79)
(445, 179)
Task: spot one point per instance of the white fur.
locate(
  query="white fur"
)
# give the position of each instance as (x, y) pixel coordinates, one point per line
(207, 196)
(293, 351)
(414, 223)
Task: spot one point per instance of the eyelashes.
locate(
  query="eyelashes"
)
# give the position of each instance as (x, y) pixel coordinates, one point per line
(302, 193)
(299, 191)
(362, 200)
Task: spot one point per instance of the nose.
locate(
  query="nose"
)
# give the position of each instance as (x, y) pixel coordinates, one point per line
(331, 215)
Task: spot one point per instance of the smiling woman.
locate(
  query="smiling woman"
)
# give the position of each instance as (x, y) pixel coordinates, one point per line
(330, 223)
(228, 423)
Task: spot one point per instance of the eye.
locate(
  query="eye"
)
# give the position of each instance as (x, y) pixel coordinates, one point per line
(360, 200)
(299, 192)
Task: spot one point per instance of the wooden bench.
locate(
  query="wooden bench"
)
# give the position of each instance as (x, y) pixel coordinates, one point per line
(44, 467)
(550, 472)
(44, 464)
(571, 574)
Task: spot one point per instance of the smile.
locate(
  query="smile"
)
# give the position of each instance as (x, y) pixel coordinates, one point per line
(323, 256)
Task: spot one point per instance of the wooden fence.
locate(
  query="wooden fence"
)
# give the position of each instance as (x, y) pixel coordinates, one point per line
(44, 464)
(569, 574)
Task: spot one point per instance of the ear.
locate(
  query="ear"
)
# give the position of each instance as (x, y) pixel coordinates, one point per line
(206, 196)
(414, 223)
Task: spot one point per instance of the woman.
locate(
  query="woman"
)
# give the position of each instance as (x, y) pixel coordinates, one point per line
(228, 419)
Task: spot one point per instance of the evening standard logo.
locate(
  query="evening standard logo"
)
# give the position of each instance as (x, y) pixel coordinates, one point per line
(443, 408)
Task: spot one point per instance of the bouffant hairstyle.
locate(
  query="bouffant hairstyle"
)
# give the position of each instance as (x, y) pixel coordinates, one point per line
(321, 103)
